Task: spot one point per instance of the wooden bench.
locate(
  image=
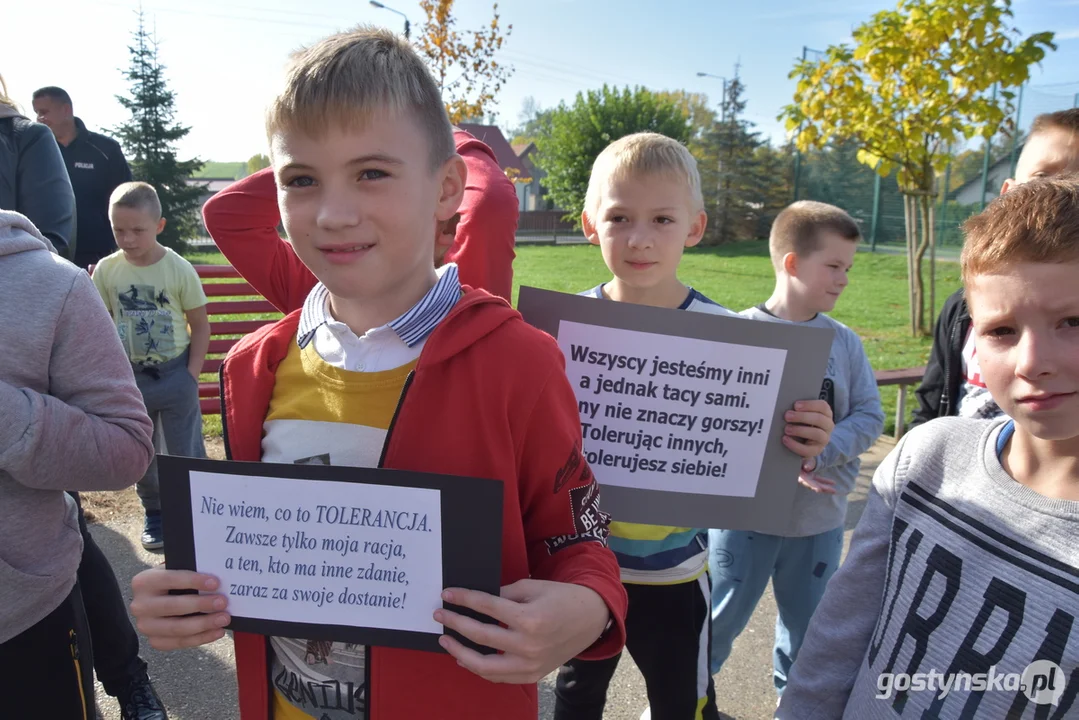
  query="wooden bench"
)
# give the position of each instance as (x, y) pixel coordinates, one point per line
(901, 378)
(227, 299)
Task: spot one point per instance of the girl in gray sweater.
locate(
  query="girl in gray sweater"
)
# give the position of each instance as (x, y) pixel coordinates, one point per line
(71, 418)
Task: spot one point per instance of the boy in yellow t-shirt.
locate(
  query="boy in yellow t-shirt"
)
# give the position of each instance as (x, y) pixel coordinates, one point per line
(154, 295)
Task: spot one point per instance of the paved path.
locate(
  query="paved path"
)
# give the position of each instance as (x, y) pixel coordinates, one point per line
(200, 684)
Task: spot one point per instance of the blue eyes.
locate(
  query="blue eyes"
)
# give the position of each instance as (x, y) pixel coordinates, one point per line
(662, 220)
(306, 181)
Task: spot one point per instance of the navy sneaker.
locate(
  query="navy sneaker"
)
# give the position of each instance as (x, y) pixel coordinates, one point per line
(152, 538)
(138, 701)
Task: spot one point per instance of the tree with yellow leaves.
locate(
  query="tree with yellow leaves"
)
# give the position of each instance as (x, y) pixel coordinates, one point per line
(463, 63)
(918, 81)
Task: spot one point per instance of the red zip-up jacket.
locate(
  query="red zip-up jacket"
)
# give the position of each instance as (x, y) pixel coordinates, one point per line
(243, 218)
(488, 398)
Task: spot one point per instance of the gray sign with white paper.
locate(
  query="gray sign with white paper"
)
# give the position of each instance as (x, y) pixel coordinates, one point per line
(682, 412)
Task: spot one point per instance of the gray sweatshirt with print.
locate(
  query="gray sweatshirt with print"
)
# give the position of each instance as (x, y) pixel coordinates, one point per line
(958, 580)
(851, 390)
(71, 418)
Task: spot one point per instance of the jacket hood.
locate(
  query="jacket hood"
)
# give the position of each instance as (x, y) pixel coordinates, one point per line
(18, 234)
(7, 111)
(476, 315)
(464, 140)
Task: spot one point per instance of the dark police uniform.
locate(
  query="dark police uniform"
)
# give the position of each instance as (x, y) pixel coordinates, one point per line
(96, 166)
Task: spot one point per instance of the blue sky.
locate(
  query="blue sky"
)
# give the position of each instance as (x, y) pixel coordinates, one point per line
(224, 56)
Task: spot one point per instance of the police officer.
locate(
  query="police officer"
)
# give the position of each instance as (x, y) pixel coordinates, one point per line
(95, 164)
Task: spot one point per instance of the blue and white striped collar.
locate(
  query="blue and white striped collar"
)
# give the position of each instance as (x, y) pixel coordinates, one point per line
(412, 327)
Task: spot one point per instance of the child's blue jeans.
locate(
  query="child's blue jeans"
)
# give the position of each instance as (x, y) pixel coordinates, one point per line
(741, 563)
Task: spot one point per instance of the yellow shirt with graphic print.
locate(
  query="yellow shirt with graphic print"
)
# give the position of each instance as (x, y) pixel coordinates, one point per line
(148, 304)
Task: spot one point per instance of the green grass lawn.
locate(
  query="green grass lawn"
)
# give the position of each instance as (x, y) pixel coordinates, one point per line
(227, 170)
(740, 275)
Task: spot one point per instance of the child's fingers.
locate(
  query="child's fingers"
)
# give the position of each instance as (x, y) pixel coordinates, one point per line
(802, 448)
(810, 419)
(171, 633)
(799, 448)
(814, 406)
(158, 581)
(818, 485)
(492, 636)
(808, 432)
(171, 606)
(505, 668)
(504, 611)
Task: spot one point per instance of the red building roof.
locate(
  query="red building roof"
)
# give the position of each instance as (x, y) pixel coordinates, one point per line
(495, 140)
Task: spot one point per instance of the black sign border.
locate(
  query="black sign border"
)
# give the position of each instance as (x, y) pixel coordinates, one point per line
(471, 539)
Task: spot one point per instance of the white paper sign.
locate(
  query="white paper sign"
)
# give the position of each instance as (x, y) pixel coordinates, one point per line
(339, 554)
(672, 413)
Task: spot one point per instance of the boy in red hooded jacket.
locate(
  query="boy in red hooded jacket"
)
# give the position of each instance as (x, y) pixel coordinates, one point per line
(390, 363)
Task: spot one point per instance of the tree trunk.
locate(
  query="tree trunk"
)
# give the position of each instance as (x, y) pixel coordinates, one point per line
(919, 282)
(932, 264)
(909, 228)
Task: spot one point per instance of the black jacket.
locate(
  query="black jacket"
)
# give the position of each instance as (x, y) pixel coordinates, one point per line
(96, 166)
(33, 180)
(938, 395)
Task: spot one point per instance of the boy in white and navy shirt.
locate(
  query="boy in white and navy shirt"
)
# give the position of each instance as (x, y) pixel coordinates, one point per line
(643, 208)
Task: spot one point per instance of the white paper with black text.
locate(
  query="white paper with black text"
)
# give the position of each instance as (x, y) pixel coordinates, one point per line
(661, 412)
(321, 552)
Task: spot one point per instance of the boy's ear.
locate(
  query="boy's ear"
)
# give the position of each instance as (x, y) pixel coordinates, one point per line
(452, 188)
(444, 237)
(1008, 185)
(790, 264)
(589, 227)
(160, 226)
(696, 229)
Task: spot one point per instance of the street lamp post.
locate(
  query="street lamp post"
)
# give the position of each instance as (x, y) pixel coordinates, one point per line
(384, 7)
(723, 104)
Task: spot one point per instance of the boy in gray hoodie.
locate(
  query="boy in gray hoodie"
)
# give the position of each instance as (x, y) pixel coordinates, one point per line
(812, 246)
(959, 596)
(71, 418)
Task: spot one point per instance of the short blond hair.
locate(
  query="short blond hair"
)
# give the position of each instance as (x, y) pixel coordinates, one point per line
(137, 196)
(1036, 222)
(643, 153)
(798, 227)
(345, 79)
(5, 99)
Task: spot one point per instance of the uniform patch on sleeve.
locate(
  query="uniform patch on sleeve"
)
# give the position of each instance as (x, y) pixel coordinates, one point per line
(590, 523)
(575, 465)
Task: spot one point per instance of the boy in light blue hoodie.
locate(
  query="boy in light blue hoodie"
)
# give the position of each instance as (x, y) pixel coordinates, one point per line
(812, 247)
